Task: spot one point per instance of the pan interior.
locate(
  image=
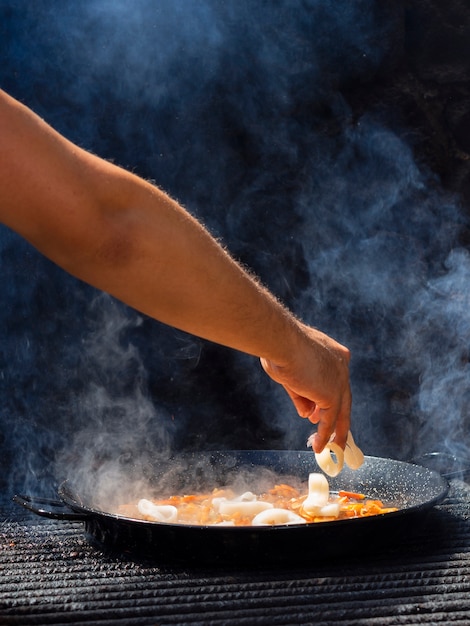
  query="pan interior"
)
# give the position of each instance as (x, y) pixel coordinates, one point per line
(403, 485)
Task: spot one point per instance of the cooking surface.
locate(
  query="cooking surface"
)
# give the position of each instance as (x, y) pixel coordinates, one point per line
(52, 575)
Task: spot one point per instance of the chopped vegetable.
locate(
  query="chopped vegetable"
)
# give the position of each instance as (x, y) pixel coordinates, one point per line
(351, 494)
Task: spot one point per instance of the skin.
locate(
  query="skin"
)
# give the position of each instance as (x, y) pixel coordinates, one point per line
(127, 237)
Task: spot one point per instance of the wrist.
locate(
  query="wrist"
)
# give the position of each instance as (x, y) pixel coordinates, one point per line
(285, 338)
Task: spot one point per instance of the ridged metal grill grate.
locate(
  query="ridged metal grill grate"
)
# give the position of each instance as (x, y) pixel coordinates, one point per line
(51, 575)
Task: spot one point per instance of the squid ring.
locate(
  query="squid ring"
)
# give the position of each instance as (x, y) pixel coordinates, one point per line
(331, 465)
(275, 516)
(160, 513)
(353, 455)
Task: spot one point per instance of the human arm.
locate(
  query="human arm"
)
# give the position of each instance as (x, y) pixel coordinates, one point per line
(125, 236)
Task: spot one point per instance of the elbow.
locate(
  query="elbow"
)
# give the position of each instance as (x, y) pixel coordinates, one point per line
(97, 251)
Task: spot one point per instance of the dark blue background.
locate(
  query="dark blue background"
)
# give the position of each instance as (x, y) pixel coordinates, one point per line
(284, 126)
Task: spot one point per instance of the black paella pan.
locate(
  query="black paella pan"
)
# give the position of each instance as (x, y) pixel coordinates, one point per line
(414, 490)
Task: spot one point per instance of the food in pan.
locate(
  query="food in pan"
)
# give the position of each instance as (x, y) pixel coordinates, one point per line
(282, 504)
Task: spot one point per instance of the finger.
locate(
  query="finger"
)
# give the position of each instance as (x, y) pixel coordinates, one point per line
(343, 423)
(333, 422)
(325, 429)
(304, 407)
(316, 415)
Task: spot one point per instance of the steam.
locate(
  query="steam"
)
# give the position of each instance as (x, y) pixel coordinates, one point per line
(436, 336)
(237, 109)
(381, 234)
(119, 424)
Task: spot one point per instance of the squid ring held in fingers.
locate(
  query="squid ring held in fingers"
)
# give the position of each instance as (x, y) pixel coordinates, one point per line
(332, 458)
(353, 455)
(331, 465)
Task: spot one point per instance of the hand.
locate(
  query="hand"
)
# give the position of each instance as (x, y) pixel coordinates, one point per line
(316, 377)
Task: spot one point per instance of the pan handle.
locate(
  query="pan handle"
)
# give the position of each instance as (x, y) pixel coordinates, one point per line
(53, 509)
(448, 465)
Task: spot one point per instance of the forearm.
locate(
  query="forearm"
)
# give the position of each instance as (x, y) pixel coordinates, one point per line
(155, 257)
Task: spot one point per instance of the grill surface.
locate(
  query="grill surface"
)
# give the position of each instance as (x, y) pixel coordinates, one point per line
(50, 574)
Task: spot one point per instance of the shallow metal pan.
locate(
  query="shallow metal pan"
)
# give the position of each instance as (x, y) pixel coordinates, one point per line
(413, 489)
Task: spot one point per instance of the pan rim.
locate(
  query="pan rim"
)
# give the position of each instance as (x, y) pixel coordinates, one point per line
(72, 499)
